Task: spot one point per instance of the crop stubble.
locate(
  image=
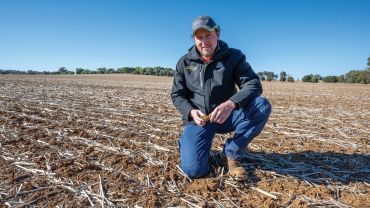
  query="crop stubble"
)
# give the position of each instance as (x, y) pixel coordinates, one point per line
(111, 140)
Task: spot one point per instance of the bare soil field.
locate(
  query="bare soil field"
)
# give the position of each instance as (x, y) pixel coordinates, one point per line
(111, 141)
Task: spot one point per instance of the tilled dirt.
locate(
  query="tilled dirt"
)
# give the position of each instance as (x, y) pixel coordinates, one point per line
(112, 140)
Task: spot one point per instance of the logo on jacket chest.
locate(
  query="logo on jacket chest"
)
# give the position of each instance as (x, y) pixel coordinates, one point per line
(191, 68)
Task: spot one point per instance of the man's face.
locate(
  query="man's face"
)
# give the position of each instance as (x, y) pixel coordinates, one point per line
(206, 42)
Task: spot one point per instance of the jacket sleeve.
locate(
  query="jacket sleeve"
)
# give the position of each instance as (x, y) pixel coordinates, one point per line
(248, 83)
(180, 93)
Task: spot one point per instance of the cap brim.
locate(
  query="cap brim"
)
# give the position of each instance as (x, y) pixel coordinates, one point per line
(210, 29)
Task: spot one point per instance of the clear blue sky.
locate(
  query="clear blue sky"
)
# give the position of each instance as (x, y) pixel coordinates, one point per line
(328, 37)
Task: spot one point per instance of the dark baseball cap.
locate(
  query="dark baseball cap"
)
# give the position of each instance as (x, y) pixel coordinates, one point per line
(205, 22)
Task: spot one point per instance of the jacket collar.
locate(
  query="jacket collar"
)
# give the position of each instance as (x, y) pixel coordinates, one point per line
(222, 49)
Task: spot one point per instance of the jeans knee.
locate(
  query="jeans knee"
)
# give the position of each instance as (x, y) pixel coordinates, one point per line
(195, 170)
(263, 105)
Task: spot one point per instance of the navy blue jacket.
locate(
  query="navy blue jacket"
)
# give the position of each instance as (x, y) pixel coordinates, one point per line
(197, 85)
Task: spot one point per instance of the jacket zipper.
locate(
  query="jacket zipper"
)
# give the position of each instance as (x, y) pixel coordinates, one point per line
(201, 71)
(203, 68)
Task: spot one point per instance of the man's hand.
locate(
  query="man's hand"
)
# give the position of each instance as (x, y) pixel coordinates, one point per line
(222, 112)
(197, 116)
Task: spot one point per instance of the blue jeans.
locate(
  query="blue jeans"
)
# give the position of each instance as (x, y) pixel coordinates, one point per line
(196, 141)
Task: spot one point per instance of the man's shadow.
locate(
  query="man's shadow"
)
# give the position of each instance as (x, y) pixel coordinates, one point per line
(313, 167)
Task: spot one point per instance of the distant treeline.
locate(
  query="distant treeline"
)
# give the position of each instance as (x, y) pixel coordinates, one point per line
(157, 71)
(353, 76)
(271, 76)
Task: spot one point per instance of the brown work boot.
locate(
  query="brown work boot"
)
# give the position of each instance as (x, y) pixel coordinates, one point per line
(236, 170)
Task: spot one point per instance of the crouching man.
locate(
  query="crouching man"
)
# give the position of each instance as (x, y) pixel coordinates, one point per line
(204, 91)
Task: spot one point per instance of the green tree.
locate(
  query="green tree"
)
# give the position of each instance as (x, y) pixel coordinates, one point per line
(331, 79)
(341, 79)
(363, 78)
(315, 78)
(283, 76)
(156, 70)
(32, 72)
(88, 71)
(111, 71)
(62, 70)
(101, 70)
(351, 76)
(269, 75)
(125, 70)
(148, 71)
(79, 70)
(290, 79)
(169, 72)
(121, 70)
(139, 70)
(307, 78)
